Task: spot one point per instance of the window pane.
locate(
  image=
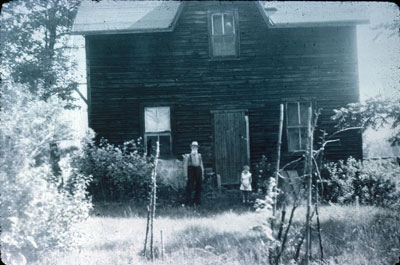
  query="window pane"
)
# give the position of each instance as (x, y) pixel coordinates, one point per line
(224, 45)
(304, 113)
(164, 123)
(229, 45)
(157, 119)
(292, 114)
(304, 139)
(151, 142)
(217, 24)
(150, 119)
(293, 139)
(218, 45)
(228, 24)
(165, 145)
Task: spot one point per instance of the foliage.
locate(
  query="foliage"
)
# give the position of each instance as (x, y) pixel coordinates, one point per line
(374, 182)
(119, 172)
(37, 213)
(374, 113)
(263, 171)
(264, 207)
(34, 38)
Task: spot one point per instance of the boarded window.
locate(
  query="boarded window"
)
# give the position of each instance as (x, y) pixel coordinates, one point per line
(296, 125)
(223, 34)
(157, 121)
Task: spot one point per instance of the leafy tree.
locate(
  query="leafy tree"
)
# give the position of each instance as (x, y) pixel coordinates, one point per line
(37, 212)
(373, 113)
(34, 50)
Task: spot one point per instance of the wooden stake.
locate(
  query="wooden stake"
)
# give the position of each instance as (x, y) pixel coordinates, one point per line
(282, 222)
(309, 167)
(147, 227)
(278, 160)
(319, 229)
(162, 244)
(153, 206)
(303, 235)
(316, 207)
(286, 233)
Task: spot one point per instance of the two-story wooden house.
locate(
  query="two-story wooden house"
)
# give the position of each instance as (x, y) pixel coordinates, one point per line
(216, 72)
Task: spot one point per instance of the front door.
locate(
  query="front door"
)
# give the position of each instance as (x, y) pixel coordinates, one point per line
(230, 144)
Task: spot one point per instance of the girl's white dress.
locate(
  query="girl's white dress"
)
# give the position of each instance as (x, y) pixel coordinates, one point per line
(246, 185)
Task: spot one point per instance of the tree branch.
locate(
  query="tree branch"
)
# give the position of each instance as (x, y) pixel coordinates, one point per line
(322, 148)
(291, 163)
(81, 95)
(344, 130)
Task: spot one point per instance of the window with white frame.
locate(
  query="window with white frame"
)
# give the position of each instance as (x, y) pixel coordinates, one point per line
(296, 125)
(223, 34)
(157, 124)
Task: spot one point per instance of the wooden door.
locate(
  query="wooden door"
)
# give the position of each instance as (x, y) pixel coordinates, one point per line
(230, 145)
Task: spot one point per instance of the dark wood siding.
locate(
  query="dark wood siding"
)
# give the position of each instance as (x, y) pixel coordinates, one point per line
(128, 72)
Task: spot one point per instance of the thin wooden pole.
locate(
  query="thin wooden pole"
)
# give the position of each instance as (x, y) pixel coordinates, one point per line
(246, 118)
(321, 159)
(286, 233)
(309, 175)
(282, 222)
(316, 207)
(303, 235)
(319, 229)
(147, 226)
(153, 206)
(162, 244)
(278, 159)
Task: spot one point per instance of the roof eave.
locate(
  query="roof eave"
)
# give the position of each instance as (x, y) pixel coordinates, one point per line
(271, 23)
(124, 31)
(170, 28)
(341, 23)
(265, 17)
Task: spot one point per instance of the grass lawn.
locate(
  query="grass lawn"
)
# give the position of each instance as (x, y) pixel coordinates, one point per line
(350, 235)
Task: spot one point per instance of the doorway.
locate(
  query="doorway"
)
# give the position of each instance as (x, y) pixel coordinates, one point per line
(231, 144)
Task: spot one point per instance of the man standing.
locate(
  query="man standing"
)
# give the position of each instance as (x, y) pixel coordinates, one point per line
(194, 171)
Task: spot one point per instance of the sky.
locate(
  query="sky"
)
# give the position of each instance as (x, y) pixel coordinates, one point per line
(379, 52)
(379, 69)
(378, 60)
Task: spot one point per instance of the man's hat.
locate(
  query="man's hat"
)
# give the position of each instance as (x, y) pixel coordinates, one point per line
(195, 143)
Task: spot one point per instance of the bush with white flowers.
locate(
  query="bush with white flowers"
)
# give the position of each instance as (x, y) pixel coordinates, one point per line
(37, 214)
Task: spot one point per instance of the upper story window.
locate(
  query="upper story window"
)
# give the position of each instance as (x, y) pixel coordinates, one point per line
(157, 123)
(296, 125)
(224, 42)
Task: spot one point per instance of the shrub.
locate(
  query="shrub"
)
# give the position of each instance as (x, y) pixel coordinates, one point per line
(264, 208)
(37, 214)
(119, 172)
(374, 182)
(263, 172)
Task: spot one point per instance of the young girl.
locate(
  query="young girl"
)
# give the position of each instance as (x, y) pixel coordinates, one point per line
(245, 181)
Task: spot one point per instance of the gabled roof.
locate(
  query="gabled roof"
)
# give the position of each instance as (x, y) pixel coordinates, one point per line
(111, 16)
(108, 16)
(312, 14)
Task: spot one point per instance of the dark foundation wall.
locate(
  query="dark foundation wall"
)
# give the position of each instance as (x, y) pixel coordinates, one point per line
(129, 72)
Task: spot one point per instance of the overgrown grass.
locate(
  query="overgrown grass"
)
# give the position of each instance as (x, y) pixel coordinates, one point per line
(360, 235)
(350, 234)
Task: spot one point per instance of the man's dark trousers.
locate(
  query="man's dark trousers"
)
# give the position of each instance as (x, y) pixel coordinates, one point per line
(193, 181)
